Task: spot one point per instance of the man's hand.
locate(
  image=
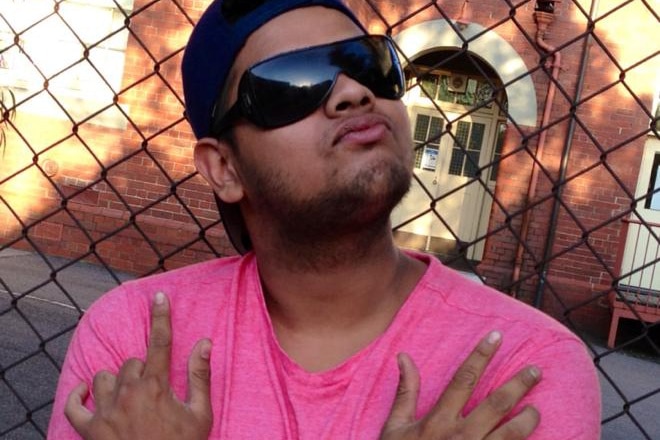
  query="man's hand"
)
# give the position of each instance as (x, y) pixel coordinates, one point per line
(445, 421)
(138, 402)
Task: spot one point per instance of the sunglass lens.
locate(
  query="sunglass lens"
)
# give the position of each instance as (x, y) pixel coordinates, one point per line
(289, 87)
(370, 62)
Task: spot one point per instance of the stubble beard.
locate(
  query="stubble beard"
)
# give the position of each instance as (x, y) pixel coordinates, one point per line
(341, 219)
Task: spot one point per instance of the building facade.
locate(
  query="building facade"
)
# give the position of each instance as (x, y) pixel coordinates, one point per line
(534, 140)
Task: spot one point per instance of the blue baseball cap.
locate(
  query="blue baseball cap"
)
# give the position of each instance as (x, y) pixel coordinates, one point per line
(209, 55)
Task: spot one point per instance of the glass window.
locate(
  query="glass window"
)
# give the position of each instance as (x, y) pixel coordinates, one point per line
(51, 60)
(444, 94)
(429, 85)
(470, 94)
(437, 88)
(426, 138)
(497, 153)
(468, 141)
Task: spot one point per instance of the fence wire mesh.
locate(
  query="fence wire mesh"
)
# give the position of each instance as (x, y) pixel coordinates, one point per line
(535, 128)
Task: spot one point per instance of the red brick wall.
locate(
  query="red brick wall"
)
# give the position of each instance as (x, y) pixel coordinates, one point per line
(55, 160)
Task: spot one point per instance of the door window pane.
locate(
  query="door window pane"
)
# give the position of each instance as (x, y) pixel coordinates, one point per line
(426, 138)
(430, 86)
(497, 154)
(467, 149)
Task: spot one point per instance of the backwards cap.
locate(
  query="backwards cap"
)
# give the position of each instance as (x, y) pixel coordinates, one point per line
(213, 46)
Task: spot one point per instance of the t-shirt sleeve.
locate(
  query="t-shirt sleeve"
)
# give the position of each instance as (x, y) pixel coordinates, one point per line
(110, 332)
(568, 395)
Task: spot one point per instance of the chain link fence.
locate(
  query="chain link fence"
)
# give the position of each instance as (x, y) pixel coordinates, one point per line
(536, 136)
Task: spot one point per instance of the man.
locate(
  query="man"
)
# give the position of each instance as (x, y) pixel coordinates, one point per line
(323, 329)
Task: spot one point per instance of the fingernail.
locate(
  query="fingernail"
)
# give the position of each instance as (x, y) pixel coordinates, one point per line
(205, 352)
(401, 363)
(159, 298)
(534, 372)
(494, 337)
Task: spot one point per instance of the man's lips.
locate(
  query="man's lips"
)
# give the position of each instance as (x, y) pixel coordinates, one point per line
(362, 130)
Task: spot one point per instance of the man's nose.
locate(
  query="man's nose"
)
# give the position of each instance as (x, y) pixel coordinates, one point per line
(348, 96)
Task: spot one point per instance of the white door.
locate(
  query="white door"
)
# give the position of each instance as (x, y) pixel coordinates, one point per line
(445, 200)
(642, 248)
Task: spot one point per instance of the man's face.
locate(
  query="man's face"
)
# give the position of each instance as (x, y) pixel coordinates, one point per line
(343, 167)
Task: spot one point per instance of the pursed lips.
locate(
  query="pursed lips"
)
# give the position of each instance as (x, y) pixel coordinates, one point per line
(362, 130)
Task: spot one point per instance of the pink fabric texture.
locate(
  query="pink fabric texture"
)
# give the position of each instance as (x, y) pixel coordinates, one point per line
(258, 392)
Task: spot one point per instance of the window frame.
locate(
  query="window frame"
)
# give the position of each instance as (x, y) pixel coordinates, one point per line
(74, 83)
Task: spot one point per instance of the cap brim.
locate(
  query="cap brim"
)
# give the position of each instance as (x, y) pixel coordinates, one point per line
(232, 220)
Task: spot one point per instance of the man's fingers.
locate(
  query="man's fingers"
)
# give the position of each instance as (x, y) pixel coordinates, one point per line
(501, 402)
(405, 402)
(132, 369)
(160, 339)
(518, 428)
(199, 375)
(462, 384)
(78, 415)
(104, 387)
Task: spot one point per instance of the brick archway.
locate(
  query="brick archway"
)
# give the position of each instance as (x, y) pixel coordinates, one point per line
(489, 46)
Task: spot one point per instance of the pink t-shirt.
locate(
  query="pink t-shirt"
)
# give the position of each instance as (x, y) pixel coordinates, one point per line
(258, 392)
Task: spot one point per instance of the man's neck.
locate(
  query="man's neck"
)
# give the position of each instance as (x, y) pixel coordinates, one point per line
(326, 311)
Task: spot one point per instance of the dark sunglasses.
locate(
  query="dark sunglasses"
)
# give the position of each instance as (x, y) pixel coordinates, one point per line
(290, 86)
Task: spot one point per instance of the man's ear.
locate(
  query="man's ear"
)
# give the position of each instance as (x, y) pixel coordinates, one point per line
(215, 162)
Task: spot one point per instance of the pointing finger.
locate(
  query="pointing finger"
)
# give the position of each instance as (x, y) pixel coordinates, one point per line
(462, 384)
(160, 339)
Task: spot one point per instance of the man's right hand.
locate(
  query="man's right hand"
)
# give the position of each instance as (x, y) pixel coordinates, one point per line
(138, 402)
(445, 420)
